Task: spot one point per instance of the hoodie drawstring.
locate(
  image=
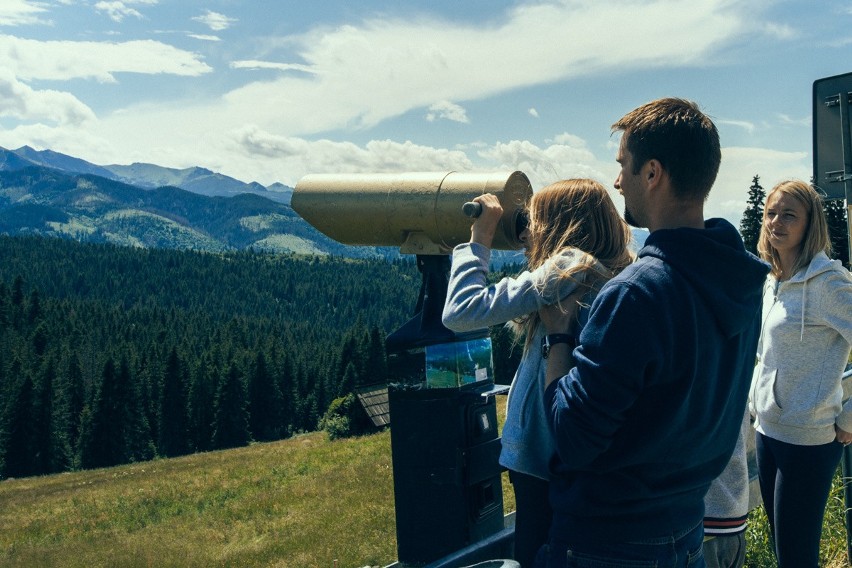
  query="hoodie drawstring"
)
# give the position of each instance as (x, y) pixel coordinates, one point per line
(804, 305)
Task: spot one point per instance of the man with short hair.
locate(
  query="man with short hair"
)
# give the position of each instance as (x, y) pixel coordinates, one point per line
(647, 409)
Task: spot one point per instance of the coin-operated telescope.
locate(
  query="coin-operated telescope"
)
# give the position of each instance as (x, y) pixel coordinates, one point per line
(444, 439)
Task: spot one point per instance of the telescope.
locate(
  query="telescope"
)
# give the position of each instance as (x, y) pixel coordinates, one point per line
(422, 213)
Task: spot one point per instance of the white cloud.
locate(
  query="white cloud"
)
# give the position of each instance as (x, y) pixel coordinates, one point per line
(63, 60)
(533, 112)
(215, 21)
(205, 37)
(447, 110)
(744, 124)
(20, 102)
(780, 31)
(568, 139)
(786, 119)
(118, 10)
(545, 165)
(254, 64)
(21, 12)
(384, 68)
(361, 75)
(297, 156)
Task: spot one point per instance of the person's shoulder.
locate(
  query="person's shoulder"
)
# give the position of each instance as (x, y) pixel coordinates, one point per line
(646, 276)
(827, 271)
(568, 257)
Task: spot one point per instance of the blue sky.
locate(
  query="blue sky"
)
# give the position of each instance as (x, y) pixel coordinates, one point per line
(271, 90)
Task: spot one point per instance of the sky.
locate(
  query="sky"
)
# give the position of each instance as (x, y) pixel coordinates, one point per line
(272, 90)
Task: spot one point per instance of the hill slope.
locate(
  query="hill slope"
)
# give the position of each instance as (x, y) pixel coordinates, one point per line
(298, 503)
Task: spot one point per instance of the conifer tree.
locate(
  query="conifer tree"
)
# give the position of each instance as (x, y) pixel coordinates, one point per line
(17, 302)
(67, 407)
(838, 229)
(47, 449)
(284, 380)
(135, 429)
(230, 423)
(377, 364)
(264, 402)
(75, 394)
(349, 381)
(100, 444)
(173, 430)
(4, 307)
(753, 215)
(33, 307)
(18, 432)
(200, 403)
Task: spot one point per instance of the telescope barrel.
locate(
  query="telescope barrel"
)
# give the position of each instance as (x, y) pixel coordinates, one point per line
(420, 212)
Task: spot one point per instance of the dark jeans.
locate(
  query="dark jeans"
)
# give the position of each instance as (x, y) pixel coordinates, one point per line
(795, 482)
(532, 515)
(682, 549)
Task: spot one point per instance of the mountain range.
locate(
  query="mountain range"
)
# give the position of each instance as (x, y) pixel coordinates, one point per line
(146, 176)
(52, 194)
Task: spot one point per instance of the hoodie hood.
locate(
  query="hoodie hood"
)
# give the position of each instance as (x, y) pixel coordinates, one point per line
(819, 264)
(722, 290)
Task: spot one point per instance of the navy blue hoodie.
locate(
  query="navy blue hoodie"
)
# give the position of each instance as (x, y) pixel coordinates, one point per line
(650, 414)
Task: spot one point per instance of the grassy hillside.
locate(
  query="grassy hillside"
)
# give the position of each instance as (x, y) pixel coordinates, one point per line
(303, 502)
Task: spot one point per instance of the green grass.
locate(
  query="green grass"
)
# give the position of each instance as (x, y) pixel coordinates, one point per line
(303, 502)
(300, 502)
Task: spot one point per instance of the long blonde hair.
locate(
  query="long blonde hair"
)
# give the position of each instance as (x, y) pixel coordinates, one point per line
(816, 238)
(575, 213)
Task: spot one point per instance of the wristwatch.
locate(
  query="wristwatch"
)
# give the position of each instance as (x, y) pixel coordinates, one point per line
(548, 340)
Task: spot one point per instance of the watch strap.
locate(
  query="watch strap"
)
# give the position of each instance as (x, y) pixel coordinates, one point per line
(552, 339)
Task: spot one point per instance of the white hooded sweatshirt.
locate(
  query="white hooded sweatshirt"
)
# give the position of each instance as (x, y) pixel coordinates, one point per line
(796, 392)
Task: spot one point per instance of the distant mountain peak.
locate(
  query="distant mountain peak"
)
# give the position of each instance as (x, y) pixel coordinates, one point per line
(196, 179)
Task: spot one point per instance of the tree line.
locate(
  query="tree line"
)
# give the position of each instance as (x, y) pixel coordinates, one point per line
(111, 355)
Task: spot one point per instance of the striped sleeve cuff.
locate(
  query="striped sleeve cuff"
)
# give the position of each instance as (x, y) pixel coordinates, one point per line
(720, 527)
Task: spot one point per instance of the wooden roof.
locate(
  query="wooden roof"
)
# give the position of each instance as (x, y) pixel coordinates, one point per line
(374, 400)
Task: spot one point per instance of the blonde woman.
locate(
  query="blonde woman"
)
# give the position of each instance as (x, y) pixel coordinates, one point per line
(796, 394)
(575, 241)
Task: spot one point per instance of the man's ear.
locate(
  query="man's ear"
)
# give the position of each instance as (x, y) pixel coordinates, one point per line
(653, 172)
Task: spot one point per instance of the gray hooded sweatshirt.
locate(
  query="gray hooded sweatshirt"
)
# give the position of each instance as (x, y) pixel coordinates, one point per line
(796, 392)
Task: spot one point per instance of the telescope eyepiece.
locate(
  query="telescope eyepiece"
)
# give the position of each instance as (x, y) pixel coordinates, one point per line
(472, 209)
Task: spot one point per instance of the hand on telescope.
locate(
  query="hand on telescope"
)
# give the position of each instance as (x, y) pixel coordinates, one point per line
(485, 225)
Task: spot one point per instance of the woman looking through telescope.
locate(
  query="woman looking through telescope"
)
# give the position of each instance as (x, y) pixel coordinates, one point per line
(575, 242)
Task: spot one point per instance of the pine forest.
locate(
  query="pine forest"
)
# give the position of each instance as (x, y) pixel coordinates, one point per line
(111, 355)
